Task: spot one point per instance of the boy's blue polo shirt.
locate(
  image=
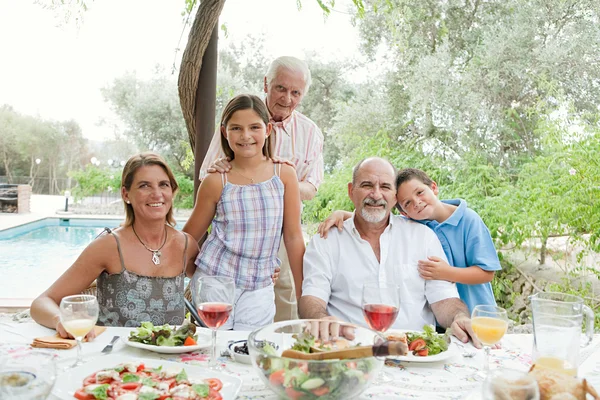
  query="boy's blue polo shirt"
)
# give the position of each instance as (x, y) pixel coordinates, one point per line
(467, 242)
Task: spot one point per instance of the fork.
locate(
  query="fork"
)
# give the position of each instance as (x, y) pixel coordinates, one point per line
(109, 346)
(466, 353)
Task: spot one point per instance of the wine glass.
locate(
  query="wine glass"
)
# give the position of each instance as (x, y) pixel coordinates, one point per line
(27, 374)
(489, 324)
(214, 302)
(380, 305)
(78, 315)
(505, 383)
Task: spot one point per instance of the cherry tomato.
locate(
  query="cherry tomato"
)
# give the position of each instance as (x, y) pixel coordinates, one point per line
(214, 383)
(423, 352)
(81, 395)
(214, 395)
(277, 377)
(416, 345)
(320, 391)
(293, 393)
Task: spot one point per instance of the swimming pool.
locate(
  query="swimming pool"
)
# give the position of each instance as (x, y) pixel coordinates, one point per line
(34, 255)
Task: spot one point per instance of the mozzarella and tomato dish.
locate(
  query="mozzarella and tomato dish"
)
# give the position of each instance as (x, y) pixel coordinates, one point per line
(135, 381)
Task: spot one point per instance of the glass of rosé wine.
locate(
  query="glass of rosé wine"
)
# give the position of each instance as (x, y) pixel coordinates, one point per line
(214, 302)
(380, 305)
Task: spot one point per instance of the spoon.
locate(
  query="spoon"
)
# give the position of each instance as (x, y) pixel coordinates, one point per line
(378, 350)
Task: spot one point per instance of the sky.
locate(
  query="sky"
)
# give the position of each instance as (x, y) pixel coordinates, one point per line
(55, 70)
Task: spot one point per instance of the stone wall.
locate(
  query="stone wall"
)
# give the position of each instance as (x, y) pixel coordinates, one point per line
(24, 199)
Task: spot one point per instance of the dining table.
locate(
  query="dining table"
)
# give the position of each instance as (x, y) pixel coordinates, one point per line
(455, 377)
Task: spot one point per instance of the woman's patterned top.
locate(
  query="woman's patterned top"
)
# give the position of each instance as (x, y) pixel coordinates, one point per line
(128, 299)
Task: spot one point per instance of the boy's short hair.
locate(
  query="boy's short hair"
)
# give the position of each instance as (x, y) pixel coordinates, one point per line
(408, 174)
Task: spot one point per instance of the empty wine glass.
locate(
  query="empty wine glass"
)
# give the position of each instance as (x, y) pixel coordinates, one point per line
(27, 374)
(380, 305)
(489, 324)
(214, 302)
(504, 383)
(78, 315)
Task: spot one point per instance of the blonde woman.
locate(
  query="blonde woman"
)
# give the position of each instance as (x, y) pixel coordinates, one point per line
(140, 266)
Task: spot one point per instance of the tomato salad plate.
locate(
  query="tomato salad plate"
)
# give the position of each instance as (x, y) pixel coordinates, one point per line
(124, 377)
(168, 339)
(424, 346)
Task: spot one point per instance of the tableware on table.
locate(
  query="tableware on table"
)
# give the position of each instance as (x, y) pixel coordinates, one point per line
(68, 383)
(377, 350)
(236, 351)
(559, 315)
(380, 304)
(108, 348)
(340, 379)
(489, 324)
(27, 374)
(57, 342)
(78, 315)
(502, 384)
(202, 342)
(214, 303)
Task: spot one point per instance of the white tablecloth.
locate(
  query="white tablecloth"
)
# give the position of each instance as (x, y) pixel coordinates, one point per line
(444, 380)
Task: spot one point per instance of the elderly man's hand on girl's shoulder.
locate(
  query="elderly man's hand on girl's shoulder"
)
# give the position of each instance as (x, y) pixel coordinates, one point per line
(221, 165)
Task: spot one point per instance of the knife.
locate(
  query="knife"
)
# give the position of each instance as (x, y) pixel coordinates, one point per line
(109, 346)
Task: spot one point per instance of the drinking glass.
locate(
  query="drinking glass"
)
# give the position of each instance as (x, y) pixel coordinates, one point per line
(504, 383)
(489, 324)
(78, 315)
(380, 304)
(27, 374)
(214, 302)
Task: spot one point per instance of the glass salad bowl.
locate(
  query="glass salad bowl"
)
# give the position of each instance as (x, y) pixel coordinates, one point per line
(26, 374)
(310, 379)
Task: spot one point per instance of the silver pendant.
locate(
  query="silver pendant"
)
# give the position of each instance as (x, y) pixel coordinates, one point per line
(156, 257)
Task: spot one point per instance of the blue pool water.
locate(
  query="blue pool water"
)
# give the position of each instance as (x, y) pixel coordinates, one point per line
(34, 255)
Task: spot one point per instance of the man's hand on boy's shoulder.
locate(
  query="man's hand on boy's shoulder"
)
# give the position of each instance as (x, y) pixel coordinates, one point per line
(434, 268)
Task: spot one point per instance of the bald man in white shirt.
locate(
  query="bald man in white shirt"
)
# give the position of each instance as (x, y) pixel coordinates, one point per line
(375, 245)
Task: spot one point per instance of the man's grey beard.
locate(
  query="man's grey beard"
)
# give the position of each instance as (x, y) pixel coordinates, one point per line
(374, 216)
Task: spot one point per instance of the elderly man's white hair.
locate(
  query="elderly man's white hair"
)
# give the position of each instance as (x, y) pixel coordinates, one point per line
(292, 64)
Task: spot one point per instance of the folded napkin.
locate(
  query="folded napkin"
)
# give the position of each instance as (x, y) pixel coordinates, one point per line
(56, 342)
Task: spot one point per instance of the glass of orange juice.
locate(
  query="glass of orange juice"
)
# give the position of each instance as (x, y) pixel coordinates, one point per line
(78, 315)
(489, 324)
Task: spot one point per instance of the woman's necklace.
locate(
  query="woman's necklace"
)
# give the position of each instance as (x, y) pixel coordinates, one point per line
(155, 253)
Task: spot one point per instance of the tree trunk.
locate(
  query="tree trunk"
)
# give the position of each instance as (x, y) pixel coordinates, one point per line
(203, 29)
(205, 105)
(543, 250)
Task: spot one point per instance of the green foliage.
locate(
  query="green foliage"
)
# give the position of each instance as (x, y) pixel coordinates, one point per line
(185, 195)
(152, 115)
(93, 180)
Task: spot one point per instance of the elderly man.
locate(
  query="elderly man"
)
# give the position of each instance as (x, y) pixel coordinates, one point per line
(375, 245)
(295, 138)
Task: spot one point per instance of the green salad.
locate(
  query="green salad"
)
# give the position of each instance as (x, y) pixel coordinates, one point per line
(428, 342)
(298, 379)
(164, 335)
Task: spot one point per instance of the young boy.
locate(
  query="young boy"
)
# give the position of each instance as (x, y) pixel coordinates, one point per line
(472, 257)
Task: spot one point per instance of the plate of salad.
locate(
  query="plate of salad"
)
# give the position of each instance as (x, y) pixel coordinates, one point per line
(168, 339)
(424, 346)
(120, 377)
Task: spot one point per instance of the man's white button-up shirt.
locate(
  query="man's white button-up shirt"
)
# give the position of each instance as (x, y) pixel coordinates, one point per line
(336, 268)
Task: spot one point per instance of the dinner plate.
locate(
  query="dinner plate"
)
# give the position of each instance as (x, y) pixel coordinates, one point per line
(204, 340)
(444, 355)
(67, 383)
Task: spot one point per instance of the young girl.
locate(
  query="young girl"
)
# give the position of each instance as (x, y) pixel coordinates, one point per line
(249, 207)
